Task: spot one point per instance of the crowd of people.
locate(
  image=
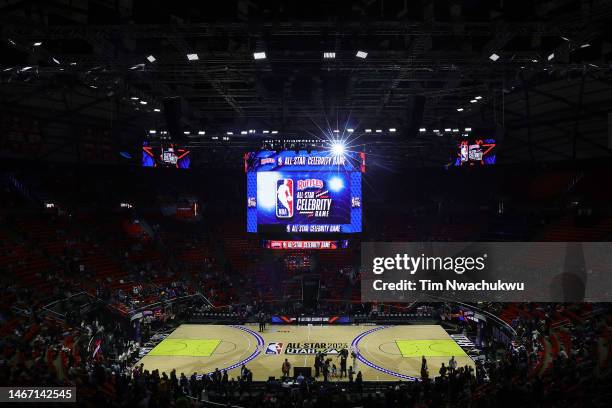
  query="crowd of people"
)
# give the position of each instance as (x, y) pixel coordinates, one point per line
(95, 350)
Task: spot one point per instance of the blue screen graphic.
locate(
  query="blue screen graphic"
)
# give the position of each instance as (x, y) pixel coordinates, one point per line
(301, 192)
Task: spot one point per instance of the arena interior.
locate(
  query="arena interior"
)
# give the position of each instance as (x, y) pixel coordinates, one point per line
(190, 192)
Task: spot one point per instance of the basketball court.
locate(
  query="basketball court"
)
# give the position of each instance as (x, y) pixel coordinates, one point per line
(385, 353)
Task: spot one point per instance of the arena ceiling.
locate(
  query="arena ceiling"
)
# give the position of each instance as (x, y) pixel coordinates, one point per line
(541, 72)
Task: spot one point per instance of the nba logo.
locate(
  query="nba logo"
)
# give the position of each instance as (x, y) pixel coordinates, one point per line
(274, 348)
(464, 153)
(284, 198)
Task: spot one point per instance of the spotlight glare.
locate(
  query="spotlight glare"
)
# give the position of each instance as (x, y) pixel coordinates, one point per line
(392, 130)
(361, 54)
(229, 133)
(152, 132)
(134, 98)
(468, 129)
(37, 44)
(350, 130)
(201, 132)
(459, 109)
(56, 61)
(266, 132)
(337, 149)
(585, 45)
(473, 101)
(274, 132)
(378, 130)
(156, 110)
(329, 55)
(478, 98)
(336, 184)
(422, 130)
(151, 59)
(447, 129)
(193, 57)
(368, 130)
(455, 130)
(259, 55)
(186, 132)
(494, 57)
(143, 102)
(243, 132)
(551, 56)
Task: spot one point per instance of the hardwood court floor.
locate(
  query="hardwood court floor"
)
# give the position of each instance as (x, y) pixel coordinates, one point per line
(387, 353)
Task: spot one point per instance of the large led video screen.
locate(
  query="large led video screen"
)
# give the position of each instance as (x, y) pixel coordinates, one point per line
(304, 192)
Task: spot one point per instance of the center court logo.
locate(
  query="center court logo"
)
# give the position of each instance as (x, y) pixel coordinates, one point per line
(274, 348)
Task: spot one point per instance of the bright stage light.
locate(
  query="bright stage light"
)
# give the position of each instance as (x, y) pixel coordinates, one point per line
(259, 55)
(337, 148)
(329, 55)
(478, 98)
(459, 109)
(37, 44)
(350, 130)
(361, 54)
(201, 132)
(156, 110)
(152, 131)
(468, 129)
(392, 130)
(193, 57)
(151, 59)
(422, 130)
(551, 56)
(494, 57)
(368, 130)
